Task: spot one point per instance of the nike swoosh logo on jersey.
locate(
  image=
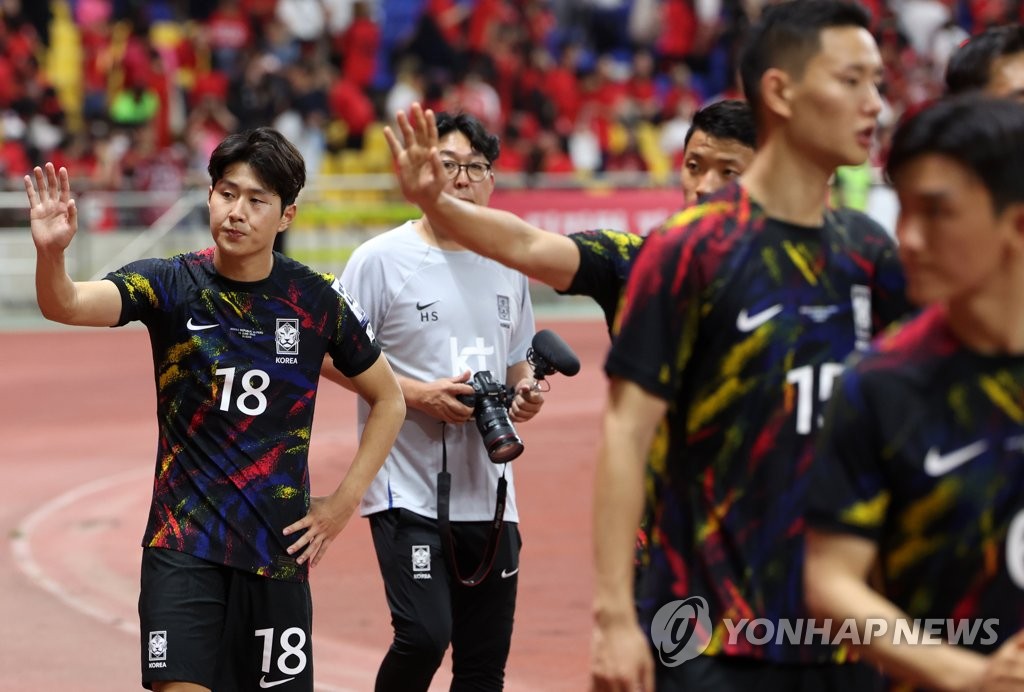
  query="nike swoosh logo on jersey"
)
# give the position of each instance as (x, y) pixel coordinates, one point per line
(505, 574)
(264, 684)
(748, 323)
(199, 327)
(936, 464)
(424, 306)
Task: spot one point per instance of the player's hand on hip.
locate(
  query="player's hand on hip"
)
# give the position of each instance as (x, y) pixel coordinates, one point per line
(527, 402)
(53, 216)
(321, 525)
(621, 659)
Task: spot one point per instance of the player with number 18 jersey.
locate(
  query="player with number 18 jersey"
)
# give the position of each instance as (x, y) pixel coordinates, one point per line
(237, 366)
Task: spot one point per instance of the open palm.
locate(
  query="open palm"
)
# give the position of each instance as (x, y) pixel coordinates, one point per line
(417, 162)
(53, 215)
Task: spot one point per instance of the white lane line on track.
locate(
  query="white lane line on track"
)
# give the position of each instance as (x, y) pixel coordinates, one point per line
(24, 560)
(358, 674)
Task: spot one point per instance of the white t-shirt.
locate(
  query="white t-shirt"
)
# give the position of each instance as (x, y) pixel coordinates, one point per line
(437, 313)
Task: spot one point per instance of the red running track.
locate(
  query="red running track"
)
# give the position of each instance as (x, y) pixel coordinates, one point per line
(77, 458)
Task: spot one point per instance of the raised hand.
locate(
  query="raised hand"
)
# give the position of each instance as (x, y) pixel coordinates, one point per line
(417, 162)
(53, 215)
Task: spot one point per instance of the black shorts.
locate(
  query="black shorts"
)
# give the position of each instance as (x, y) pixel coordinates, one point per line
(221, 627)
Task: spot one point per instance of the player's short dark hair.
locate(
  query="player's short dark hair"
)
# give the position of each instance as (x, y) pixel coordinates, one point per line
(274, 160)
(970, 66)
(788, 35)
(729, 119)
(479, 138)
(984, 135)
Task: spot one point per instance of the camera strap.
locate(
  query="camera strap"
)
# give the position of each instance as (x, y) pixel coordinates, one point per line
(444, 526)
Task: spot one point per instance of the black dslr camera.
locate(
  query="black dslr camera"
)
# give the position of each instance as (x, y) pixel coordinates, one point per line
(491, 401)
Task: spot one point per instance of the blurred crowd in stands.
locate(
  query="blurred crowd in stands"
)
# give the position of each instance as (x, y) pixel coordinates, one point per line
(133, 94)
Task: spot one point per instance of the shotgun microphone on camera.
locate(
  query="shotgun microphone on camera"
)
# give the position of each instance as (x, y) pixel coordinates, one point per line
(549, 354)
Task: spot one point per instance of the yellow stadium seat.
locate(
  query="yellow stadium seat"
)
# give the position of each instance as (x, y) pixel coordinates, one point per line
(63, 62)
(166, 35)
(659, 166)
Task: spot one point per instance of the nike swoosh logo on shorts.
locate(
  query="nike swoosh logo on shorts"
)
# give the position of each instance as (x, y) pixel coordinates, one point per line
(426, 305)
(264, 684)
(748, 323)
(505, 574)
(936, 464)
(199, 327)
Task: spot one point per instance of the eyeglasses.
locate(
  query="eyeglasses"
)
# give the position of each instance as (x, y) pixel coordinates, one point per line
(476, 172)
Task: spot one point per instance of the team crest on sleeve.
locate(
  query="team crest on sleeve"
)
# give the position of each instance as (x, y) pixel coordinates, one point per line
(860, 299)
(354, 307)
(421, 562)
(287, 336)
(504, 311)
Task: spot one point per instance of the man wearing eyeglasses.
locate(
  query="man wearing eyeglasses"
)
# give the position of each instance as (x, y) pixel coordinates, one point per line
(442, 313)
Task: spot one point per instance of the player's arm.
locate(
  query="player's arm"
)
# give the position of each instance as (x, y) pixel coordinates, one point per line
(836, 585)
(543, 255)
(53, 219)
(621, 653)
(500, 235)
(329, 372)
(379, 387)
(327, 516)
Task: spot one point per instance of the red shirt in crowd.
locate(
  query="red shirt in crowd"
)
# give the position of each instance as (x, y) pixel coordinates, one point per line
(358, 45)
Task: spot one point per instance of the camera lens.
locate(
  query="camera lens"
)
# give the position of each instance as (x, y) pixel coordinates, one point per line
(500, 438)
(506, 449)
(490, 402)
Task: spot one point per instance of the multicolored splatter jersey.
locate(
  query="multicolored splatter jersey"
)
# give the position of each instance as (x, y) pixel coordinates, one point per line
(606, 258)
(236, 367)
(923, 453)
(741, 323)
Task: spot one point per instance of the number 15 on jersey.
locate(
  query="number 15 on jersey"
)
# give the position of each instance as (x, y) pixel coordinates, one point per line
(813, 389)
